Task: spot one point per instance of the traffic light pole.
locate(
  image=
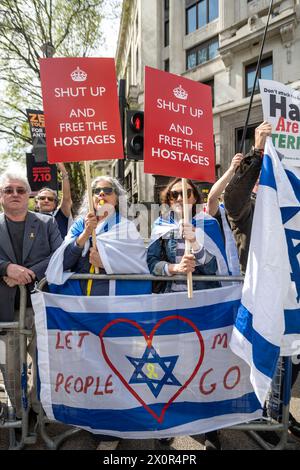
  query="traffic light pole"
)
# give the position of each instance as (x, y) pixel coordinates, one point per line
(122, 107)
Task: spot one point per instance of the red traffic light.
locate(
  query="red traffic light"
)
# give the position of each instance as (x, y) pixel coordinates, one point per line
(137, 121)
(134, 145)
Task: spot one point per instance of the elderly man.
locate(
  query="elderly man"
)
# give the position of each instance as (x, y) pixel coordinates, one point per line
(27, 241)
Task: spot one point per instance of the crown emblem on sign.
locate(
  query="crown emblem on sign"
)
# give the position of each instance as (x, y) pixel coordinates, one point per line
(78, 75)
(180, 93)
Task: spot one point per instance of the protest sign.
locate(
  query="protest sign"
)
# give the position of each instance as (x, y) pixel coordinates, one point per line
(281, 108)
(40, 174)
(81, 109)
(178, 131)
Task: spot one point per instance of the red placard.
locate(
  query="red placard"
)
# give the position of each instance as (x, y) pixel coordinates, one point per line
(82, 116)
(178, 133)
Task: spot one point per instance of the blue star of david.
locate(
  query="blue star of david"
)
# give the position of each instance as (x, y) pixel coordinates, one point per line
(149, 358)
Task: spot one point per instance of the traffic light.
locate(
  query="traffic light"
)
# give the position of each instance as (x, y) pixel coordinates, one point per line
(135, 135)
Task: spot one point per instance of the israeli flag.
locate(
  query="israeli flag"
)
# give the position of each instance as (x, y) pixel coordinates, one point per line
(121, 249)
(268, 321)
(162, 367)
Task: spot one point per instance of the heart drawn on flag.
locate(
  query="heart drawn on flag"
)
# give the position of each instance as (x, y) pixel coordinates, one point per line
(149, 346)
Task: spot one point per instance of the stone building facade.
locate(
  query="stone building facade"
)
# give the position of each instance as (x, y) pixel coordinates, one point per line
(216, 42)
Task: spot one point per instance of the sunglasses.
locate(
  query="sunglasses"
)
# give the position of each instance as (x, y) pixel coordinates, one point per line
(49, 198)
(105, 191)
(14, 190)
(175, 194)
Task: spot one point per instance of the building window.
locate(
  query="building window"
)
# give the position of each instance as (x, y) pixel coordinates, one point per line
(200, 13)
(249, 139)
(167, 35)
(202, 53)
(191, 19)
(211, 83)
(266, 73)
(167, 65)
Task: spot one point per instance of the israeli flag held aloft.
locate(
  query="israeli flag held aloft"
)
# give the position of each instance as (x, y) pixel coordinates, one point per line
(268, 320)
(157, 368)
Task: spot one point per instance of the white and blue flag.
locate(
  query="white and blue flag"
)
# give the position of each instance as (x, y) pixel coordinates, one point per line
(157, 368)
(268, 321)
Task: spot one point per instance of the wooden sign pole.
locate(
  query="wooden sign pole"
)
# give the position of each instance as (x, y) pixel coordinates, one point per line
(90, 200)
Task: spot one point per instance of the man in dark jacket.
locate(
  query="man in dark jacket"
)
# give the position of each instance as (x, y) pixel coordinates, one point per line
(27, 241)
(239, 196)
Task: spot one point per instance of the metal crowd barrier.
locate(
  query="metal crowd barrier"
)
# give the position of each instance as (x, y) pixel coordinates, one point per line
(276, 412)
(9, 395)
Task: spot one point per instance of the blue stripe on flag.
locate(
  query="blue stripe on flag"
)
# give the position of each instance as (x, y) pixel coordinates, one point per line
(138, 419)
(292, 321)
(216, 316)
(267, 177)
(265, 354)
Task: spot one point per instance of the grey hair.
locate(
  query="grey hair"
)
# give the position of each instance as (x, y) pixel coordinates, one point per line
(118, 189)
(14, 175)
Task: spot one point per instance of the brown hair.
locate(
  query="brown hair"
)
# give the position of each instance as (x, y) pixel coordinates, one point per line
(165, 194)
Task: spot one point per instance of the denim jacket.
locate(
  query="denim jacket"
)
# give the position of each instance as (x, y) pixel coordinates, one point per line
(163, 251)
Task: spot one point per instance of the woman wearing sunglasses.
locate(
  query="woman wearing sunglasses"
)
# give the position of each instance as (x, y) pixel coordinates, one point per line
(166, 253)
(120, 249)
(46, 202)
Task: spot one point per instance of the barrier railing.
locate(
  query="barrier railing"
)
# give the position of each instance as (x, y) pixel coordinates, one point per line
(272, 421)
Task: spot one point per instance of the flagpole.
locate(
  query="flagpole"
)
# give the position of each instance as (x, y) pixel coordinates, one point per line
(90, 201)
(255, 79)
(187, 242)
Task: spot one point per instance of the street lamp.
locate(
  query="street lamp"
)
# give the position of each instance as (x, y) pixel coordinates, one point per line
(48, 49)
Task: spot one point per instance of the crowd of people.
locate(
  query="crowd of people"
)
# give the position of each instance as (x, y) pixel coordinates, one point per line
(48, 242)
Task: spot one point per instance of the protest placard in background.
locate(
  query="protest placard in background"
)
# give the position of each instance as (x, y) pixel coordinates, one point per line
(178, 131)
(281, 108)
(82, 116)
(40, 174)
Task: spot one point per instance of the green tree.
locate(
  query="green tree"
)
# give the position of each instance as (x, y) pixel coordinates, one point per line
(73, 27)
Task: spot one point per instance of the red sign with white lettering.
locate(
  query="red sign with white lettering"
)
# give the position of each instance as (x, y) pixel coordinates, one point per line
(178, 132)
(82, 116)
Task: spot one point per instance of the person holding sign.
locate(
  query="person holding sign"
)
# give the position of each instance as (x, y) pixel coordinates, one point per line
(47, 202)
(120, 249)
(167, 246)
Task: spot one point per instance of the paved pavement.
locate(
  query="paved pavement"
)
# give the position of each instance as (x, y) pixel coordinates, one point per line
(234, 440)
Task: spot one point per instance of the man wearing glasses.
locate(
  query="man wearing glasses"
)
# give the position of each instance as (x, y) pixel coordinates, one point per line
(27, 241)
(47, 203)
